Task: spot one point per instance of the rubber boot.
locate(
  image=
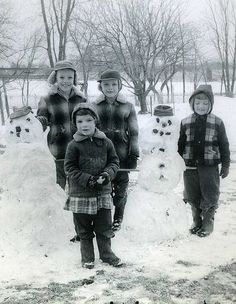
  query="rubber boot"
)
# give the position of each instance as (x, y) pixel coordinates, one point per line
(207, 222)
(197, 220)
(105, 252)
(87, 253)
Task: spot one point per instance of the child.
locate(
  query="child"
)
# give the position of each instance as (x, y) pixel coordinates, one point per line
(54, 111)
(91, 163)
(119, 122)
(203, 144)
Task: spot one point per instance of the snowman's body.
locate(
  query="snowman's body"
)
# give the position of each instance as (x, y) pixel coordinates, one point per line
(155, 212)
(31, 204)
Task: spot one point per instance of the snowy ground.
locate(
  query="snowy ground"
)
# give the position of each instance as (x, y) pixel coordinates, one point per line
(183, 270)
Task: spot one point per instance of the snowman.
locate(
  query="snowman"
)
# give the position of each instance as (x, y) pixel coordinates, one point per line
(31, 204)
(153, 205)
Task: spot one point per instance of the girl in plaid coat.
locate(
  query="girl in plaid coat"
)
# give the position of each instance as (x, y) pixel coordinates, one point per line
(204, 145)
(91, 163)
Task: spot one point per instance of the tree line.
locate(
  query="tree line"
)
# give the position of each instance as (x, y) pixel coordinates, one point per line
(148, 41)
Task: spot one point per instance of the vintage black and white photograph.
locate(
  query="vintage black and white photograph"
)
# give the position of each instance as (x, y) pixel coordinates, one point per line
(117, 151)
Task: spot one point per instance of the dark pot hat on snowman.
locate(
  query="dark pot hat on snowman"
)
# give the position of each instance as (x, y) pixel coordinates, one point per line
(62, 65)
(163, 110)
(20, 112)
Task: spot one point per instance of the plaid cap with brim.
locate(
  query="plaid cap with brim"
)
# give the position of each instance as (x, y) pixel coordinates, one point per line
(63, 65)
(109, 75)
(20, 112)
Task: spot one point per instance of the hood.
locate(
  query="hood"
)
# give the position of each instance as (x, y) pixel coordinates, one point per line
(202, 89)
(80, 137)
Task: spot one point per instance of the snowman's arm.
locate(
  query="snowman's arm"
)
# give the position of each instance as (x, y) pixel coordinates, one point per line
(42, 113)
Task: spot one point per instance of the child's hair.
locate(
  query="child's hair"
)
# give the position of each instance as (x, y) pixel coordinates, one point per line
(119, 84)
(83, 112)
(201, 96)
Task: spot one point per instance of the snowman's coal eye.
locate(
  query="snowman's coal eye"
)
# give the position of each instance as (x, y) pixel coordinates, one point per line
(157, 120)
(28, 119)
(155, 131)
(26, 130)
(169, 122)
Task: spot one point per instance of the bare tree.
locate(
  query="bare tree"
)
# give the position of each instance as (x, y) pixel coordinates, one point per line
(56, 18)
(143, 39)
(223, 26)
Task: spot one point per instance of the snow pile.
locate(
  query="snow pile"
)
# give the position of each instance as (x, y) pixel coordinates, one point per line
(31, 204)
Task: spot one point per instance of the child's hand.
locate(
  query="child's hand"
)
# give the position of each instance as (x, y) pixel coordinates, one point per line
(224, 172)
(103, 178)
(132, 162)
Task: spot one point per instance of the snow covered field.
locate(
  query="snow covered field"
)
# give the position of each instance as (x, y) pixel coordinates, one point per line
(184, 269)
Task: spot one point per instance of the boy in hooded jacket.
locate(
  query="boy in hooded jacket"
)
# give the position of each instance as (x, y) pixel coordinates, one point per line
(204, 145)
(54, 111)
(91, 163)
(118, 120)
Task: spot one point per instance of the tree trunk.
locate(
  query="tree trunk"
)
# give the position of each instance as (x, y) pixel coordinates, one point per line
(6, 98)
(2, 110)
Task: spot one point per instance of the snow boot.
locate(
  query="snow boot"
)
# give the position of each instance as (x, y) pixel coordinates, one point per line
(207, 222)
(197, 220)
(87, 253)
(106, 254)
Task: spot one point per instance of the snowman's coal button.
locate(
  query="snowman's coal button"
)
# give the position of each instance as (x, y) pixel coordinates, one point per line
(162, 149)
(162, 165)
(155, 131)
(157, 120)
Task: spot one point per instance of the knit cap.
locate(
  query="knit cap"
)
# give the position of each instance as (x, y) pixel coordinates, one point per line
(85, 106)
(109, 74)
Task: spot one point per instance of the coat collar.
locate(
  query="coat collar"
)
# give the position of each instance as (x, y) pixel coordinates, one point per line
(120, 98)
(75, 91)
(79, 137)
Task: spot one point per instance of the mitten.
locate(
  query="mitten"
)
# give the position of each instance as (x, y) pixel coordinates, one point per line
(103, 178)
(92, 182)
(224, 172)
(132, 162)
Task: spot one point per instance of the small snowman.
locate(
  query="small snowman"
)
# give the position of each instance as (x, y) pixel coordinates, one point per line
(154, 211)
(31, 204)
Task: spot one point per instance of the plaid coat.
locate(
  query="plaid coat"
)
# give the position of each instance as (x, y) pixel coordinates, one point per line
(203, 141)
(86, 157)
(54, 110)
(119, 122)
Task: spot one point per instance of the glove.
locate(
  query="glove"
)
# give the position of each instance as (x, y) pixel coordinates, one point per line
(224, 172)
(132, 162)
(92, 182)
(103, 178)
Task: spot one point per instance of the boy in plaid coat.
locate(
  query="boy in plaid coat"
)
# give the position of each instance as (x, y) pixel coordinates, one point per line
(118, 120)
(203, 144)
(91, 163)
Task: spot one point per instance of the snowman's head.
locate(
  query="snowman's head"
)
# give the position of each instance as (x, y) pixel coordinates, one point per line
(23, 127)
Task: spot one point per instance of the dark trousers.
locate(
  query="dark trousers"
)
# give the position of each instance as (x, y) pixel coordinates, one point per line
(61, 181)
(100, 225)
(119, 193)
(201, 191)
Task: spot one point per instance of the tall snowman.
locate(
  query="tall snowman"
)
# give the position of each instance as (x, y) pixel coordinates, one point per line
(155, 212)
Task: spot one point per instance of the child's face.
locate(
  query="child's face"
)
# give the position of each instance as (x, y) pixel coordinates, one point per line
(65, 80)
(201, 106)
(110, 88)
(85, 124)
